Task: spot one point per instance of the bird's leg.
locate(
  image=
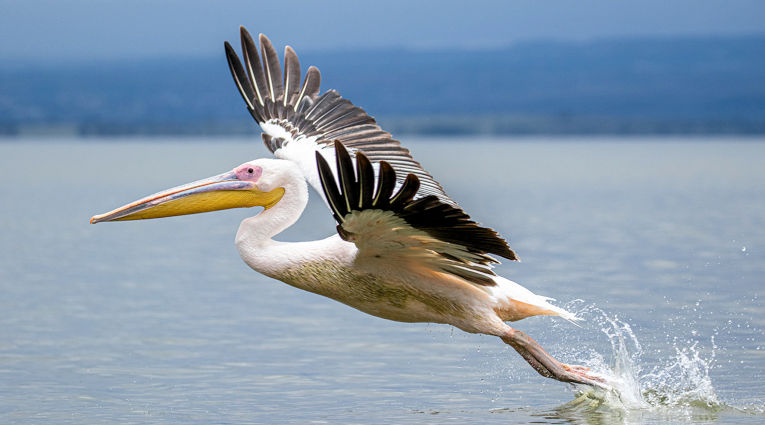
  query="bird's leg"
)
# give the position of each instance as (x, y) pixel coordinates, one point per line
(546, 364)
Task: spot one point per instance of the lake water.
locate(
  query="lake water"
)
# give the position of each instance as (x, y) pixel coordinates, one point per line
(658, 243)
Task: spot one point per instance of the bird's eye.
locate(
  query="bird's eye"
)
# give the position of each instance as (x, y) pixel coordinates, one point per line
(248, 172)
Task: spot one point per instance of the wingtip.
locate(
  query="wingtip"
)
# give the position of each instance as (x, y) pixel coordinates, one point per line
(263, 39)
(513, 256)
(231, 55)
(245, 35)
(291, 59)
(243, 32)
(313, 72)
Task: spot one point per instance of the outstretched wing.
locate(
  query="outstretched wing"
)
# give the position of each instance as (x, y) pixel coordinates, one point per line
(297, 122)
(395, 225)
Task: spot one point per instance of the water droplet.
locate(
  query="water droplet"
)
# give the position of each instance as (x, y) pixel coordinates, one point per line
(743, 249)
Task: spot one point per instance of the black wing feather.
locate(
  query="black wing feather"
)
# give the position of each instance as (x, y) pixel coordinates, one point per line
(335, 200)
(311, 83)
(453, 225)
(385, 185)
(405, 193)
(326, 118)
(429, 214)
(366, 175)
(254, 68)
(291, 77)
(240, 77)
(272, 68)
(347, 179)
(269, 94)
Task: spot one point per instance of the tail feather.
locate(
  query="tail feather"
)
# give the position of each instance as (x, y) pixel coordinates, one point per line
(565, 314)
(520, 303)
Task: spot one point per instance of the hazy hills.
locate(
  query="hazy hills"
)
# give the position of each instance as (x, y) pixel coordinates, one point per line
(687, 85)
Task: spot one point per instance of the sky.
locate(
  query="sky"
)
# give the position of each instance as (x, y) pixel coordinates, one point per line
(73, 30)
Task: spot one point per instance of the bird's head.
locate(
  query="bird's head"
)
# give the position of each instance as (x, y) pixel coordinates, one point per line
(255, 183)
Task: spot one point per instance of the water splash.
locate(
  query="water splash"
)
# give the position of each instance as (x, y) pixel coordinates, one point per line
(678, 385)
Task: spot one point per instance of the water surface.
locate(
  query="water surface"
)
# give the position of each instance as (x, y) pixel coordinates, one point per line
(658, 243)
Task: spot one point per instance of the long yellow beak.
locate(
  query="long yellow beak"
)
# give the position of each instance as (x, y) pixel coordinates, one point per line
(220, 192)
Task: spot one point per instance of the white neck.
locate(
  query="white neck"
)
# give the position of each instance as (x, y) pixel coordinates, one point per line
(253, 239)
(258, 230)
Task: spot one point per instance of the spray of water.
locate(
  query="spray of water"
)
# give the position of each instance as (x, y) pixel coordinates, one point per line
(677, 384)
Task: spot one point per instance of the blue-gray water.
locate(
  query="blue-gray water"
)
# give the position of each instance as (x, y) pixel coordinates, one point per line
(662, 242)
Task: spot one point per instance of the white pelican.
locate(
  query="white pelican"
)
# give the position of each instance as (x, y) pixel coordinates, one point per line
(403, 251)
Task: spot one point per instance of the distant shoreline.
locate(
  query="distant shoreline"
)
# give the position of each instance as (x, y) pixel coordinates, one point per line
(424, 126)
(642, 86)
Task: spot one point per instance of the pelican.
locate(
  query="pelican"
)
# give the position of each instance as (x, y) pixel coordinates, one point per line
(403, 249)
